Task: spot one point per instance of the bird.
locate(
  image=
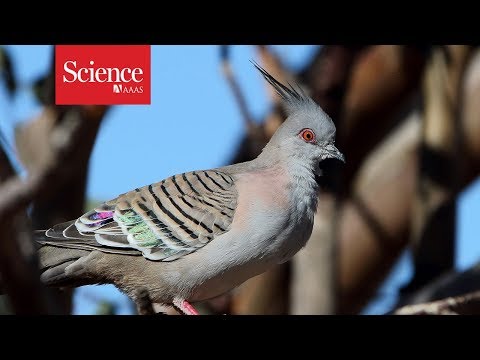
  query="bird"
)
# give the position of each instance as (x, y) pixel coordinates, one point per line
(199, 234)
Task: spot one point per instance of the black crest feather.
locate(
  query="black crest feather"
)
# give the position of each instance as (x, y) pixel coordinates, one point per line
(289, 94)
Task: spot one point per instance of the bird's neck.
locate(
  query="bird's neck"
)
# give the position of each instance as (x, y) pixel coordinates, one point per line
(303, 187)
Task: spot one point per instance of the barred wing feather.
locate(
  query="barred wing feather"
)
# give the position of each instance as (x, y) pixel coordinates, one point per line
(162, 221)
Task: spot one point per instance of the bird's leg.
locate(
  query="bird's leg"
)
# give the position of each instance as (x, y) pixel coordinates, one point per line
(185, 307)
(143, 302)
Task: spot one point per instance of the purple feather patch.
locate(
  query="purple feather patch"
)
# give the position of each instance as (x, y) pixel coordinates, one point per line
(101, 215)
(100, 223)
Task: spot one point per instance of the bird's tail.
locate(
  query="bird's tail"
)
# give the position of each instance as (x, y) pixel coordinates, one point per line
(63, 251)
(54, 266)
(55, 259)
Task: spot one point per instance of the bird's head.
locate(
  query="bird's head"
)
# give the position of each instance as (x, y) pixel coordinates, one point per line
(308, 133)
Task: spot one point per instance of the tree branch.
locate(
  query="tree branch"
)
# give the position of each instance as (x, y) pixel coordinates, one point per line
(468, 304)
(441, 156)
(236, 91)
(17, 193)
(18, 260)
(380, 94)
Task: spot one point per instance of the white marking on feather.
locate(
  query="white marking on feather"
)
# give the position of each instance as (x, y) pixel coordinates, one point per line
(106, 242)
(69, 237)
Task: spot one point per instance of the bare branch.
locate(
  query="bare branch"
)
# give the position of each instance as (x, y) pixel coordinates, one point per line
(236, 90)
(468, 304)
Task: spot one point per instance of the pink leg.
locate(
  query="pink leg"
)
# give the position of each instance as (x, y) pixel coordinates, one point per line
(185, 307)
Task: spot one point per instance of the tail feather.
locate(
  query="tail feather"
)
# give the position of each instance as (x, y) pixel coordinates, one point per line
(56, 275)
(53, 262)
(61, 249)
(66, 235)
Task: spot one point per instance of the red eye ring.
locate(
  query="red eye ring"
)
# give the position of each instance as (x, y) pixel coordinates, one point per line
(307, 135)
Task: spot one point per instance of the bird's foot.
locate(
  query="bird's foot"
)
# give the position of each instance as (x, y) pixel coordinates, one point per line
(185, 307)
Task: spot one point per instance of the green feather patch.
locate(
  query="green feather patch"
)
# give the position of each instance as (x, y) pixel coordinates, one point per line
(143, 234)
(129, 218)
(138, 228)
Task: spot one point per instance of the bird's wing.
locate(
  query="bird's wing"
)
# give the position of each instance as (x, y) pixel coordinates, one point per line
(162, 221)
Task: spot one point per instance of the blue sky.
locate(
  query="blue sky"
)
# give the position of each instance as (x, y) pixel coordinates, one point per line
(192, 123)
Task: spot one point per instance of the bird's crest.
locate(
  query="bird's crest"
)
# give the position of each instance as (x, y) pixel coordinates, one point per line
(294, 99)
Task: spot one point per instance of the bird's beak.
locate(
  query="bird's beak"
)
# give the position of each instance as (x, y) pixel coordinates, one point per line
(332, 152)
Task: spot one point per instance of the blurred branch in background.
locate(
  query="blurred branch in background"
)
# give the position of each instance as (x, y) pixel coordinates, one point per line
(18, 260)
(65, 199)
(256, 137)
(381, 93)
(374, 220)
(237, 92)
(434, 206)
(55, 148)
(19, 263)
(467, 151)
(31, 141)
(7, 74)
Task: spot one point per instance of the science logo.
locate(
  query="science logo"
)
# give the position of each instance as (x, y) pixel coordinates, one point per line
(102, 74)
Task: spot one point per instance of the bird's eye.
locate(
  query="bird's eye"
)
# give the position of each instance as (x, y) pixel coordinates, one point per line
(308, 135)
